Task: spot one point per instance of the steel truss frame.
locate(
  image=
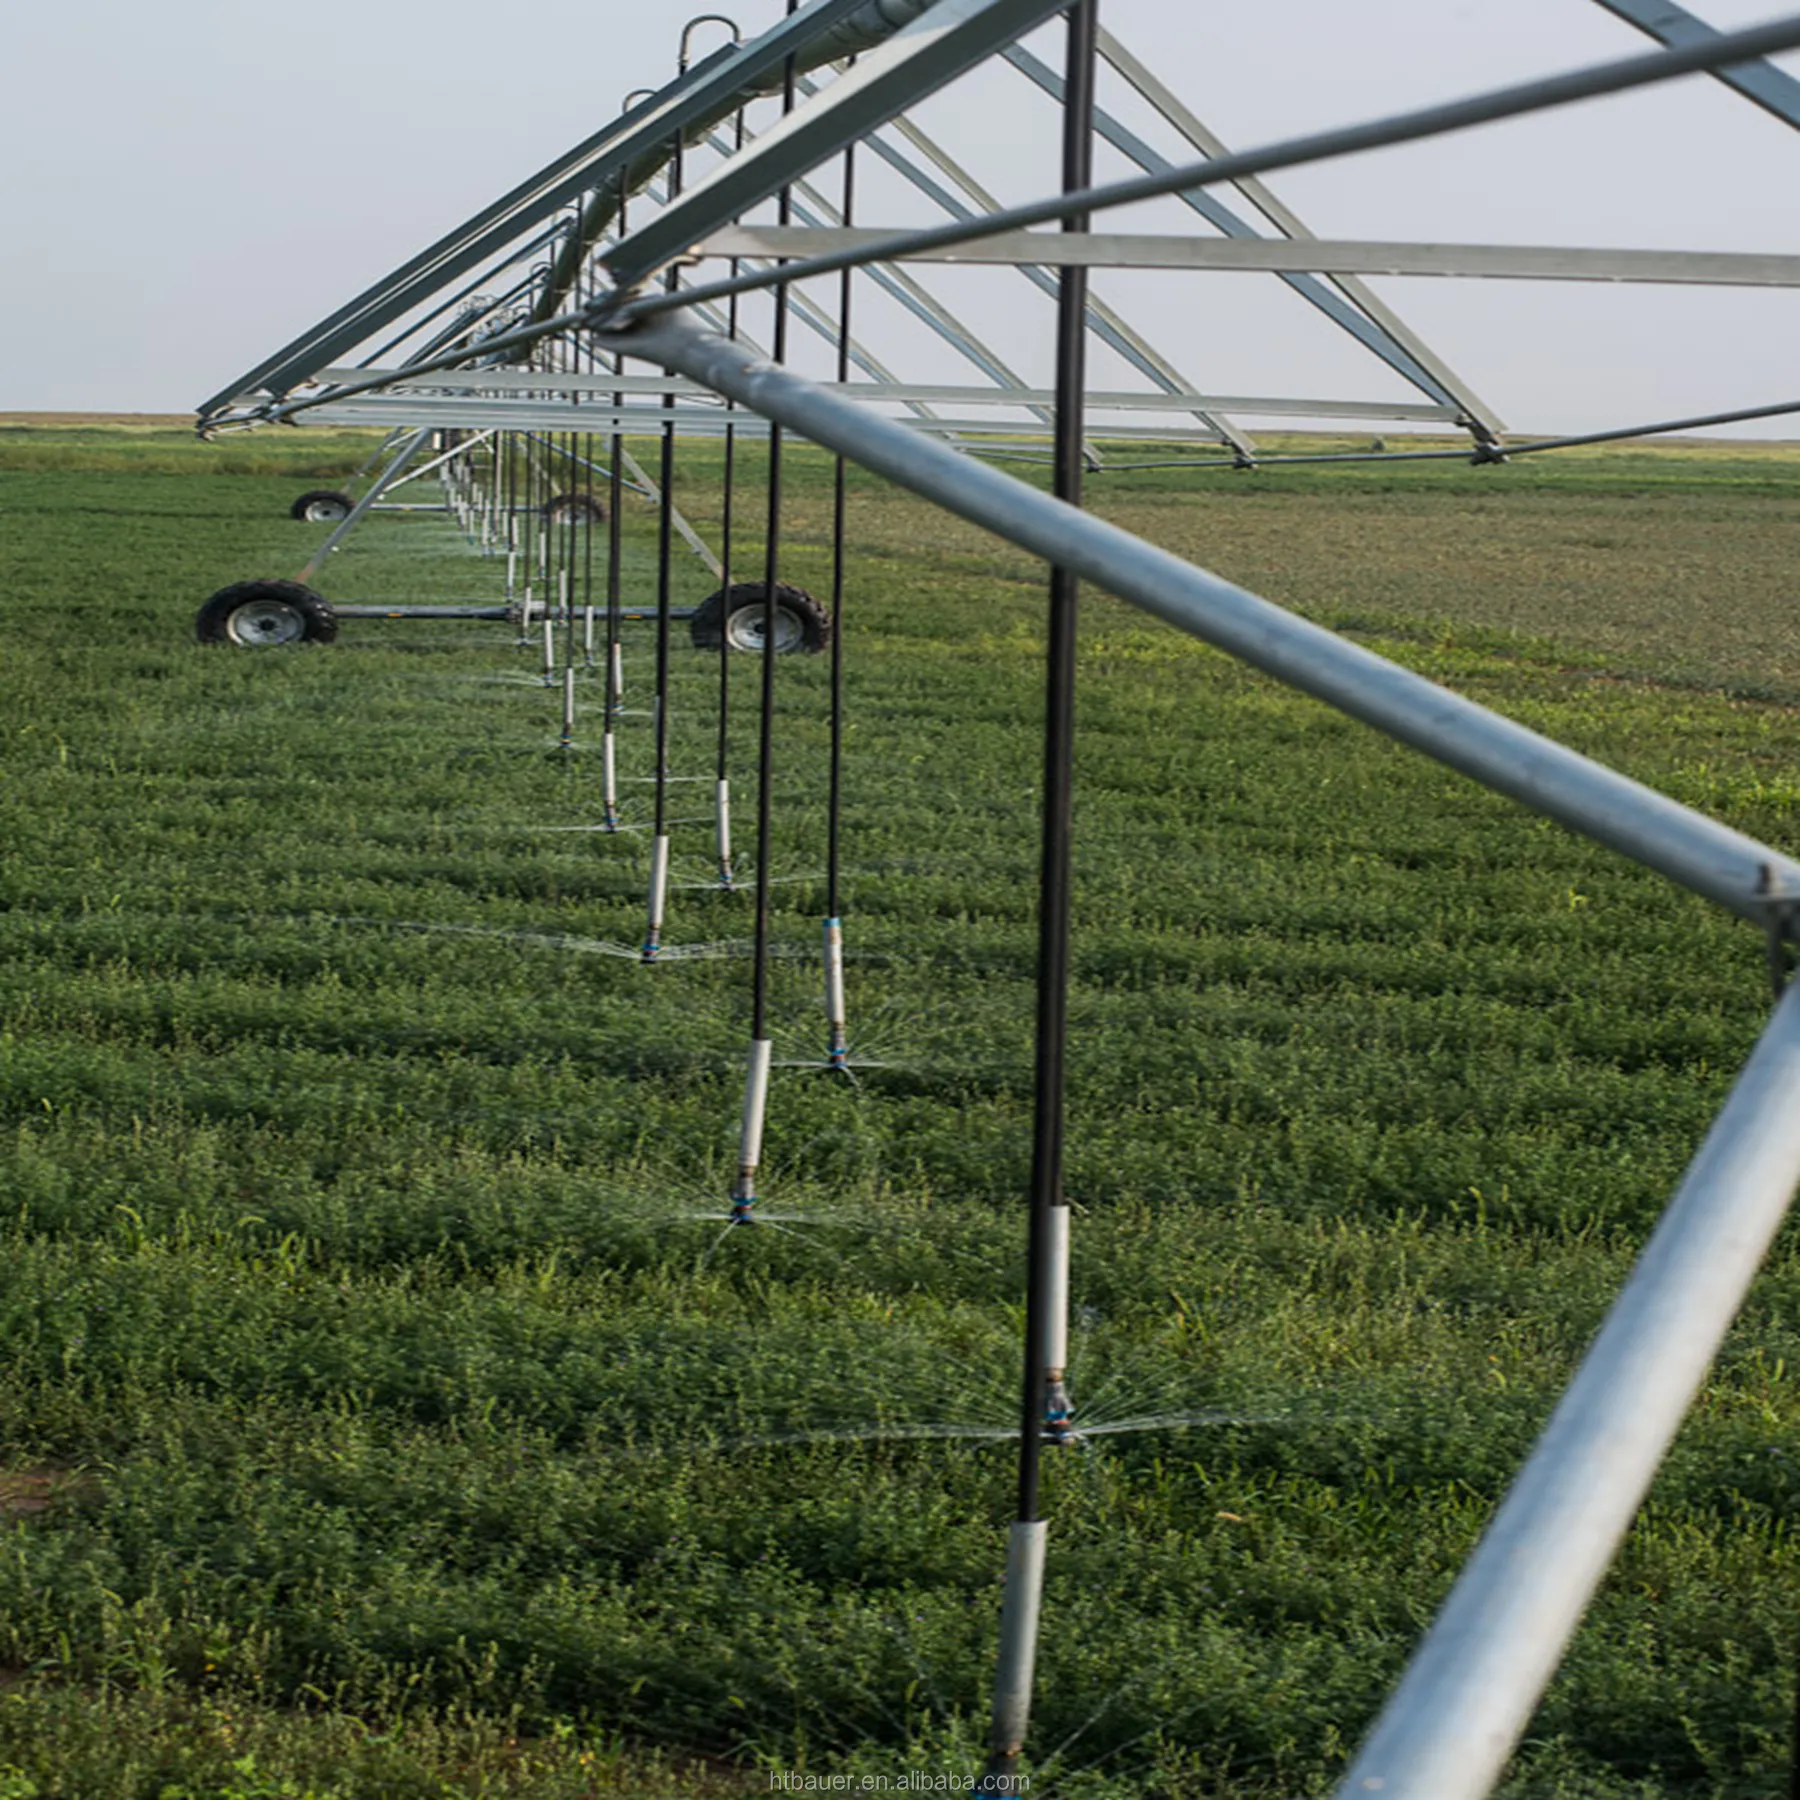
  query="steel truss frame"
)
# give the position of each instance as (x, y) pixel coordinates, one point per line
(1451, 1724)
(260, 393)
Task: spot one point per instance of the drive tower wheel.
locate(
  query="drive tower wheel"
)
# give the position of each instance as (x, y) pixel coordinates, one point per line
(741, 613)
(322, 506)
(259, 615)
(574, 508)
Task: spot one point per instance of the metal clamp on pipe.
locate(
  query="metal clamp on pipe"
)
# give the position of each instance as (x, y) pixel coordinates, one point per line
(1782, 929)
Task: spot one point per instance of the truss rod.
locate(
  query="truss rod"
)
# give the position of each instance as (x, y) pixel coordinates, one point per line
(637, 141)
(1773, 89)
(1259, 255)
(1482, 418)
(944, 41)
(1373, 337)
(1106, 324)
(1513, 102)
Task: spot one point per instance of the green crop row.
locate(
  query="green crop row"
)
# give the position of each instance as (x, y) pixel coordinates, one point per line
(379, 1413)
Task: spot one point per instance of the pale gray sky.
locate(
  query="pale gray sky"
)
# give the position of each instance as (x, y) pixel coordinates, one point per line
(189, 185)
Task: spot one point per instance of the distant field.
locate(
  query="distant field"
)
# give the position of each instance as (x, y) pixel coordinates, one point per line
(376, 1421)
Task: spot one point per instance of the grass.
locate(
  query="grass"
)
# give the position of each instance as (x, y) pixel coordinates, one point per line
(373, 1423)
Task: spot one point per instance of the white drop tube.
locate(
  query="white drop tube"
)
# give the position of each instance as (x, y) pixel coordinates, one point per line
(724, 825)
(617, 677)
(587, 634)
(568, 734)
(562, 589)
(659, 894)
(1056, 1321)
(1018, 1639)
(756, 1106)
(512, 574)
(609, 775)
(834, 983)
(549, 646)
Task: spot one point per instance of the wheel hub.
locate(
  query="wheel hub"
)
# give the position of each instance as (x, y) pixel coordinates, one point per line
(746, 629)
(259, 623)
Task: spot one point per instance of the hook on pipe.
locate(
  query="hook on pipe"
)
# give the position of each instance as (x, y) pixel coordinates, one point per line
(694, 24)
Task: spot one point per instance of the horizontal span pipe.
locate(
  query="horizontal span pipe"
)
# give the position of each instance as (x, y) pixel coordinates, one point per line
(1524, 98)
(1452, 1723)
(1311, 256)
(1689, 848)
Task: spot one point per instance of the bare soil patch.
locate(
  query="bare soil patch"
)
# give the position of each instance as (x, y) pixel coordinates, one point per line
(26, 1493)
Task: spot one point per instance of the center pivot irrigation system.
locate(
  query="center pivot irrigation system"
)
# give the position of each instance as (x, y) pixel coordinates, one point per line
(497, 360)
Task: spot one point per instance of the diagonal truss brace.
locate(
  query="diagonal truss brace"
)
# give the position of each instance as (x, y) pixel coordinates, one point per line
(944, 42)
(1441, 381)
(1773, 89)
(1103, 321)
(710, 90)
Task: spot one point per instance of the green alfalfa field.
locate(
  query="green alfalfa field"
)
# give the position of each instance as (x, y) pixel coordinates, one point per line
(375, 1419)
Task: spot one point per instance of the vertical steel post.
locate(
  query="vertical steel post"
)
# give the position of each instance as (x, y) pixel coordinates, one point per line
(756, 1092)
(665, 552)
(837, 1024)
(722, 789)
(1047, 1293)
(615, 554)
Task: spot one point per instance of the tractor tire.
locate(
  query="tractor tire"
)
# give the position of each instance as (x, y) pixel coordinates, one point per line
(574, 508)
(260, 615)
(740, 611)
(322, 506)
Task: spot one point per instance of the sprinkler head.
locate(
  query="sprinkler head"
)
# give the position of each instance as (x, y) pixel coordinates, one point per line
(1059, 1416)
(743, 1201)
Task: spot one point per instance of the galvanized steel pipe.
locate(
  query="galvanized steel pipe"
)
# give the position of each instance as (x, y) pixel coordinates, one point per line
(1699, 853)
(1450, 1726)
